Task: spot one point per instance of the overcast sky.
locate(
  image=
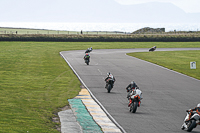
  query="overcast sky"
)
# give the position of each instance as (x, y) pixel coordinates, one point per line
(189, 6)
(99, 10)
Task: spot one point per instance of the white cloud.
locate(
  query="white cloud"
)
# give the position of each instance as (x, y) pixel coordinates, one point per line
(189, 6)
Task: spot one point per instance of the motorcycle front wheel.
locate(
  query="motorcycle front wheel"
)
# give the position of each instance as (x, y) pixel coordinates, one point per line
(191, 125)
(87, 62)
(133, 107)
(109, 88)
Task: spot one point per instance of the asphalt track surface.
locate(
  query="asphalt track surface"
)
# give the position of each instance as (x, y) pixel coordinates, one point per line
(166, 94)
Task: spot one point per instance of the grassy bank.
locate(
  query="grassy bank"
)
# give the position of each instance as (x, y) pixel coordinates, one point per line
(175, 60)
(35, 81)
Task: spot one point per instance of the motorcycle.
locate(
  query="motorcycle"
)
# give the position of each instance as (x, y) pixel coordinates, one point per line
(87, 60)
(109, 84)
(189, 125)
(152, 49)
(88, 50)
(136, 97)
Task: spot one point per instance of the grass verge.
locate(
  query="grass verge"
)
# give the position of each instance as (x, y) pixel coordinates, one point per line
(175, 60)
(35, 81)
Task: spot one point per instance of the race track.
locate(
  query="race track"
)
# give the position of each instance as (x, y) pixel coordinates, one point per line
(166, 94)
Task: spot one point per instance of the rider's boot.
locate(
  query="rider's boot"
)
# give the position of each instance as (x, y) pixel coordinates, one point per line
(130, 101)
(183, 126)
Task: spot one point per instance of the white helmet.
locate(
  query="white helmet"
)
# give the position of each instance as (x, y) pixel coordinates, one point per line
(111, 76)
(198, 105)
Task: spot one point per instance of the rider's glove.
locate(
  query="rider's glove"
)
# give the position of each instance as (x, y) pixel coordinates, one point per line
(127, 90)
(188, 110)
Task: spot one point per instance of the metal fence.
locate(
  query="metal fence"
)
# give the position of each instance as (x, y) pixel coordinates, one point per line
(24, 31)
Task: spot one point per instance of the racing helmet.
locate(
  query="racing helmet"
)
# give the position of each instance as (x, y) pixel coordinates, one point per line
(111, 76)
(86, 54)
(108, 73)
(132, 82)
(198, 105)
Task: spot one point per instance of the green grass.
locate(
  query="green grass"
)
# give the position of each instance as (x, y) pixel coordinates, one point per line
(175, 60)
(35, 81)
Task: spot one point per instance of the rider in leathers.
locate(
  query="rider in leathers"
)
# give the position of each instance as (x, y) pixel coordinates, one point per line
(88, 50)
(109, 76)
(197, 109)
(131, 86)
(86, 57)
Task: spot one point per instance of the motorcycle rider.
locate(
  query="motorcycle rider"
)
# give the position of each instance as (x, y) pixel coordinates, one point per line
(132, 85)
(88, 50)
(152, 48)
(109, 76)
(197, 109)
(86, 57)
(129, 89)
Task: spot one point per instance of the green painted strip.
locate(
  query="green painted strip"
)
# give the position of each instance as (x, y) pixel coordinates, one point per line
(83, 117)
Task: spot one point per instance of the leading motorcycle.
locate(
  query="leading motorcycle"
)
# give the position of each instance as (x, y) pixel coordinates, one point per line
(136, 97)
(153, 48)
(189, 125)
(88, 50)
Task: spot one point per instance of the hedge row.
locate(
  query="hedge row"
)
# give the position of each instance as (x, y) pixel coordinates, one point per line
(102, 38)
